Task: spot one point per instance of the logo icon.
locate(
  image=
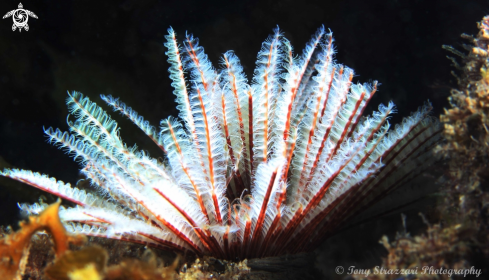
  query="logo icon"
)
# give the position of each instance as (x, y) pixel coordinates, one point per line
(20, 17)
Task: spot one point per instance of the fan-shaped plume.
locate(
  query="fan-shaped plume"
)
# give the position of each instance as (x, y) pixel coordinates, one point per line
(252, 169)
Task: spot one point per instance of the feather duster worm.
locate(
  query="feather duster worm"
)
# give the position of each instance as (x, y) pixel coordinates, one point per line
(251, 169)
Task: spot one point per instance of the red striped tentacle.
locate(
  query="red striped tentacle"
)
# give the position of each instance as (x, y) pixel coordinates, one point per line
(200, 198)
(284, 235)
(261, 216)
(265, 90)
(266, 241)
(349, 122)
(242, 132)
(345, 129)
(192, 52)
(210, 159)
(250, 130)
(360, 114)
(237, 179)
(183, 98)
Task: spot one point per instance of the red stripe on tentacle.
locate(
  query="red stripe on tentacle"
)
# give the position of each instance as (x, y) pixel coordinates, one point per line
(267, 94)
(240, 115)
(261, 217)
(210, 159)
(191, 52)
(246, 238)
(186, 170)
(345, 130)
(45, 189)
(275, 223)
(237, 180)
(250, 129)
(289, 110)
(355, 123)
(325, 104)
(284, 235)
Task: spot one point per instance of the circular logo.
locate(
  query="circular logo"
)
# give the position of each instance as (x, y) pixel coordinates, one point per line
(20, 17)
(339, 269)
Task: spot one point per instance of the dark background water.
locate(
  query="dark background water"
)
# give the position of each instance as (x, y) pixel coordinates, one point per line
(109, 47)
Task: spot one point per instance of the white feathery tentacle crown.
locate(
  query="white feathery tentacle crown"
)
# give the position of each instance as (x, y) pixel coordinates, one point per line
(251, 169)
